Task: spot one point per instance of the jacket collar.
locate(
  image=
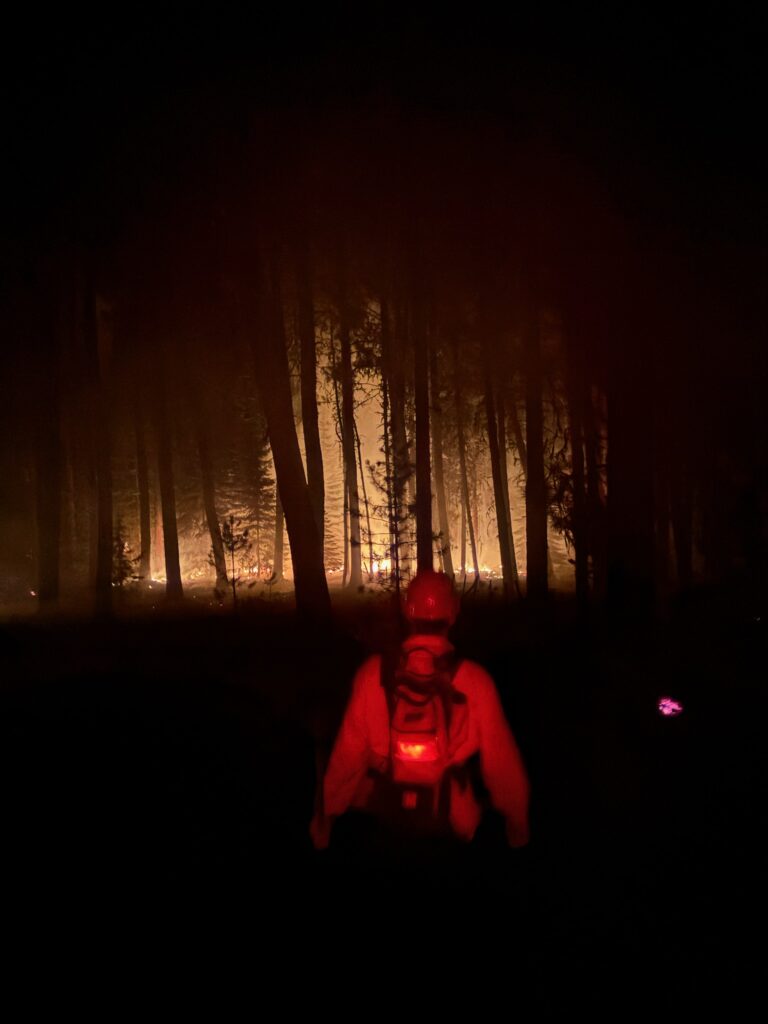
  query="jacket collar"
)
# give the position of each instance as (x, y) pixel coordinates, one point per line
(439, 645)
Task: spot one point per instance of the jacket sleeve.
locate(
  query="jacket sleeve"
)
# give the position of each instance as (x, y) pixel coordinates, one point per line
(501, 763)
(349, 759)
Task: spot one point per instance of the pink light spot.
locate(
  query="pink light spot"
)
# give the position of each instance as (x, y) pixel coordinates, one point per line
(669, 707)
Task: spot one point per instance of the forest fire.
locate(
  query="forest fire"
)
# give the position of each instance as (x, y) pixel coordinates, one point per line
(377, 345)
(300, 314)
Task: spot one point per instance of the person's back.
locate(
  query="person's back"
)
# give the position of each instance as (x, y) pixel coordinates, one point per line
(412, 730)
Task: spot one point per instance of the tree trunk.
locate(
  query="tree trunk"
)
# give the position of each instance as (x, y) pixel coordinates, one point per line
(309, 414)
(503, 450)
(348, 439)
(517, 434)
(258, 545)
(579, 524)
(358, 449)
(173, 585)
(393, 547)
(393, 371)
(424, 552)
(158, 542)
(523, 455)
(340, 437)
(474, 510)
(437, 448)
(99, 353)
(142, 479)
(209, 485)
(463, 462)
(501, 499)
(70, 505)
(535, 486)
(346, 564)
(410, 461)
(463, 550)
(48, 452)
(501, 423)
(273, 379)
(595, 514)
(279, 556)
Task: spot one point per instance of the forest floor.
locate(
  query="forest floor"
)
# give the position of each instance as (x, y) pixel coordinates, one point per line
(19, 602)
(167, 765)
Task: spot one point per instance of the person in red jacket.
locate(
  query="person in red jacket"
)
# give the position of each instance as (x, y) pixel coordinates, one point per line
(454, 713)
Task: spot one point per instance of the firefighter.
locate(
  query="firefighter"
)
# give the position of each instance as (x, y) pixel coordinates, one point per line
(411, 730)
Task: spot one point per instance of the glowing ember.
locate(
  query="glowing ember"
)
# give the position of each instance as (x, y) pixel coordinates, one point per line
(669, 707)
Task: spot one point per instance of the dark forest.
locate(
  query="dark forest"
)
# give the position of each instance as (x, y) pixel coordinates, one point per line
(291, 311)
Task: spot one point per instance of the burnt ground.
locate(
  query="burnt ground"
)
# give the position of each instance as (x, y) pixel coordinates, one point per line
(159, 775)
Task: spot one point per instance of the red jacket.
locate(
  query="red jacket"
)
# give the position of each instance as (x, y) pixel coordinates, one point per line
(363, 743)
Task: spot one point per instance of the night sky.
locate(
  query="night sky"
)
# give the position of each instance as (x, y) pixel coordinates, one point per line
(655, 99)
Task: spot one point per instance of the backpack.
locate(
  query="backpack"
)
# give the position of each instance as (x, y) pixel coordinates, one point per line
(427, 719)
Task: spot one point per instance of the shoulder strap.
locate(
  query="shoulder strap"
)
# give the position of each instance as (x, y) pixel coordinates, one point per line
(448, 695)
(390, 660)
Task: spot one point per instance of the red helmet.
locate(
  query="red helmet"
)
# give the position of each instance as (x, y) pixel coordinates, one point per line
(431, 598)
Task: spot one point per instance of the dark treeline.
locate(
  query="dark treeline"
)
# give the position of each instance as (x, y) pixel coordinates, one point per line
(552, 326)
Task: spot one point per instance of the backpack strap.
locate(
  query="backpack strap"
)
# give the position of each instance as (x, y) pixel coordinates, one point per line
(448, 694)
(390, 661)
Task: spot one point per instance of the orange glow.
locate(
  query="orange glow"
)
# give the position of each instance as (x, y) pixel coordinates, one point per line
(417, 751)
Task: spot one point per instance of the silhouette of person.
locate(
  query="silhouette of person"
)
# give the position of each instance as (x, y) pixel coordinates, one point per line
(410, 731)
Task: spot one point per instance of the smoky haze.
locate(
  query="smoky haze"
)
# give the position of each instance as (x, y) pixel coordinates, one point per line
(531, 279)
(296, 305)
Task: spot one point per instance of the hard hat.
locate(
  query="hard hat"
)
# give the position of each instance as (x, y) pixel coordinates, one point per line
(431, 598)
